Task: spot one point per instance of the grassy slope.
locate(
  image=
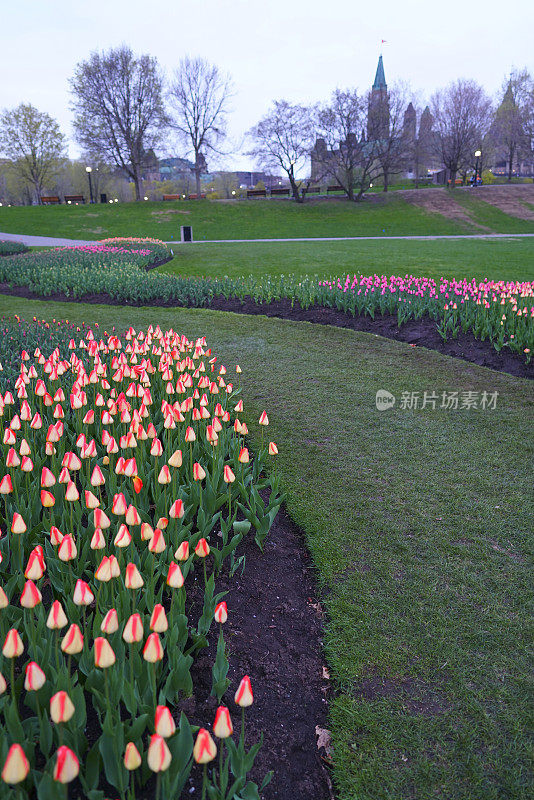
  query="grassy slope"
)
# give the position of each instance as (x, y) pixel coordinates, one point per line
(418, 524)
(242, 219)
(510, 259)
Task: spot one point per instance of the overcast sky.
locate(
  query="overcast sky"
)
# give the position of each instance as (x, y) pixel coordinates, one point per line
(299, 50)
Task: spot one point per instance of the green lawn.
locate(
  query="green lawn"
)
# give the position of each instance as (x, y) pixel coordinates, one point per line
(379, 215)
(502, 259)
(419, 524)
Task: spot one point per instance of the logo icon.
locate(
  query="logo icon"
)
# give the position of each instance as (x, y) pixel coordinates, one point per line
(384, 400)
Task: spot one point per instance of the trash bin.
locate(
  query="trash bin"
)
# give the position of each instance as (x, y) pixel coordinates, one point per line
(186, 232)
(103, 198)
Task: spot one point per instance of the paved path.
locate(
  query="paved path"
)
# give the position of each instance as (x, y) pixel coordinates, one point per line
(47, 241)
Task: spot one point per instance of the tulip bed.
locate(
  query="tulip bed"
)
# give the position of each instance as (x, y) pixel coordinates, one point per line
(127, 480)
(10, 248)
(495, 311)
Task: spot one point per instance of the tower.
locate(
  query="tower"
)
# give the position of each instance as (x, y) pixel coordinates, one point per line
(378, 112)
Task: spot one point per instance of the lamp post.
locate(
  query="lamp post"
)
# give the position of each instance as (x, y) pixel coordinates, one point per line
(478, 153)
(89, 170)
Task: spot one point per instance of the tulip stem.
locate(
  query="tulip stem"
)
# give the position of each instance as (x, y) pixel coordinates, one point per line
(243, 726)
(13, 688)
(204, 781)
(153, 674)
(158, 785)
(56, 637)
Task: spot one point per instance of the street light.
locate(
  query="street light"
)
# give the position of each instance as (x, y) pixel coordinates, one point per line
(478, 153)
(89, 170)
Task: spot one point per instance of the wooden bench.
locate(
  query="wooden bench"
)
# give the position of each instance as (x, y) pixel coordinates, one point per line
(281, 192)
(52, 200)
(334, 189)
(195, 196)
(172, 196)
(256, 192)
(457, 182)
(312, 190)
(74, 198)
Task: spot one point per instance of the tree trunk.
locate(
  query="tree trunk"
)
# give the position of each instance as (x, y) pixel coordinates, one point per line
(453, 178)
(510, 163)
(137, 182)
(295, 188)
(416, 168)
(386, 180)
(197, 175)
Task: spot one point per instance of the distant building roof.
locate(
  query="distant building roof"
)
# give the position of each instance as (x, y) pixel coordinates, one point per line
(380, 78)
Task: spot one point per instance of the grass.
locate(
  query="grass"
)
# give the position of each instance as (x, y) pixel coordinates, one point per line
(502, 259)
(386, 215)
(418, 523)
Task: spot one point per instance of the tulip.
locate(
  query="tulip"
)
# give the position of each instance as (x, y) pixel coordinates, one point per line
(175, 579)
(176, 459)
(205, 748)
(202, 549)
(162, 523)
(13, 645)
(48, 478)
(72, 641)
(158, 620)
(61, 707)
(4, 602)
(133, 579)
(83, 595)
(137, 484)
(190, 435)
(182, 553)
(103, 571)
(119, 506)
(222, 727)
(31, 596)
(157, 543)
(198, 472)
(273, 449)
(133, 630)
(67, 765)
(6, 485)
(114, 567)
(159, 755)
(35, 677)
(98, 541)
(243, 456)
(132, 757)
(101, 519)
(153, 650)
(56, 618)
(97, 478)
(47, 499)
(67, 549)
(18, 525)
(176, 511)
(110, 623)
(164, 476)
(104, 655)
(221, 612)
(16, 766)
(56, 537)
(36, 565)
(147, 532)
(123, 537)
(243, 696)
(3, 684)
(132, 516)
(228, 475)
(71, 493)
(164, 724)
(91, 501)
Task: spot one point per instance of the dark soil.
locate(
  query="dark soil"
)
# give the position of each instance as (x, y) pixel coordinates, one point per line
(421, 333)
(273, 634)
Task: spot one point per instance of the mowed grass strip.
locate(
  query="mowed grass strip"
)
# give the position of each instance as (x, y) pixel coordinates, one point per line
(497, 259)
(419, 525)
(387, 215)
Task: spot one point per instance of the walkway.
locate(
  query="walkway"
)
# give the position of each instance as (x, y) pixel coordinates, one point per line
(48, 241)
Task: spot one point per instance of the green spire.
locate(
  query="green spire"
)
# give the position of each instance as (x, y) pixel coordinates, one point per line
(380, 78)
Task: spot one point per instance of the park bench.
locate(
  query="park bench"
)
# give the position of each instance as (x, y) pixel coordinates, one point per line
(457, 182)
(312, 190)
(281, 192)
(195, 196)
(334, 189)
(74, 198)
(51, 200)
(257, 192)
(172, 196)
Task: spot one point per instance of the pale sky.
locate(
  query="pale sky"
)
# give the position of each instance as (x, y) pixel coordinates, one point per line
(298, 50)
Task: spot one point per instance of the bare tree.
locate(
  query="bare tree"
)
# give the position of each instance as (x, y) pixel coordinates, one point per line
(509, 130)
(199, 96)
(341, 152)
(462, 115)
(283, 139)
(119, 108)
(33, 142)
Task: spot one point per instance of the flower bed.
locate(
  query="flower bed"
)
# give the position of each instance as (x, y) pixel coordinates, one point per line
(495, 311)
(127, 478)
(10, 248)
